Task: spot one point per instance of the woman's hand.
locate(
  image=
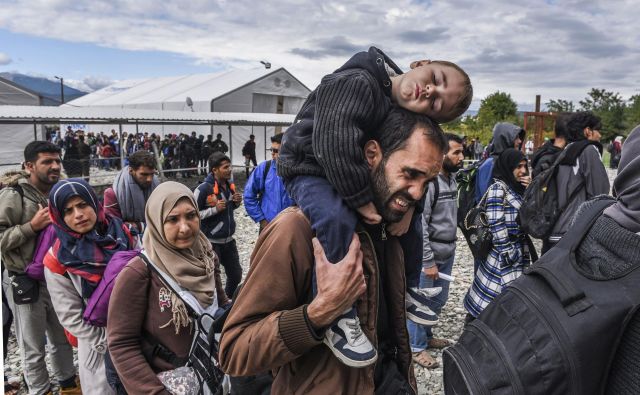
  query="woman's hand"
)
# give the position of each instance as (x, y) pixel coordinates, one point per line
(525, 180)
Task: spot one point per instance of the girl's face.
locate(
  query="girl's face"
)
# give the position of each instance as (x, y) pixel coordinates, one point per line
(79, 215)
(521, 170)
(182, 225)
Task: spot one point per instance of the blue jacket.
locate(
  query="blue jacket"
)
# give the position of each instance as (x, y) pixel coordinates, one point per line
(218, 227)
(264, 198)
(484, 178)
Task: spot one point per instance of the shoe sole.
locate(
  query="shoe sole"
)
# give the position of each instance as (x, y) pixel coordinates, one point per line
(347, 361)
(421, 321)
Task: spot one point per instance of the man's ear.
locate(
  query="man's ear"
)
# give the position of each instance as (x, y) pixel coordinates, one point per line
(587, 132)
(372, 153)
(418, 63)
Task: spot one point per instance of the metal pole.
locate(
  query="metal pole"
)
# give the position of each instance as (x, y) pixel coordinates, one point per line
(35, 132)
(121, 148)
(62, 90)
(230, 145)
(265, 143)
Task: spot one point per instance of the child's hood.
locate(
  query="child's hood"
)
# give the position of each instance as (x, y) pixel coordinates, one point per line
(373, 61)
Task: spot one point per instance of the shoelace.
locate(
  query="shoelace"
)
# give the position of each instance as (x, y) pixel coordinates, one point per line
(356, 330)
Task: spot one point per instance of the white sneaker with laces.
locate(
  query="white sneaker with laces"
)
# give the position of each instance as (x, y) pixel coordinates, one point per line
(348, 343)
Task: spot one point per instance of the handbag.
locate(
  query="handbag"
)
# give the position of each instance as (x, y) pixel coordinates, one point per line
(25, 289)
(476, 228)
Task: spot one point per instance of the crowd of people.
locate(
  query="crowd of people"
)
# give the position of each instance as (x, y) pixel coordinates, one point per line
(81, 150)
(357, 213)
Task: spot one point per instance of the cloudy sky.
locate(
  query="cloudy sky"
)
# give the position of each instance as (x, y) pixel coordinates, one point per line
(557, 48)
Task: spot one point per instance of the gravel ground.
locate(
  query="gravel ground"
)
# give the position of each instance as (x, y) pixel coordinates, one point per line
(451, 319)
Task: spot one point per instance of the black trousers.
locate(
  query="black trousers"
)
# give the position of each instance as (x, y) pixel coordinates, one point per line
(228, 255)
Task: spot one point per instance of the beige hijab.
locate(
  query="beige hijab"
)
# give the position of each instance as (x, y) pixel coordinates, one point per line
(191, 268)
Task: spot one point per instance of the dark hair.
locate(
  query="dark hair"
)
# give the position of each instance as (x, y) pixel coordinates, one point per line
(277, 138)
(398, 126)
(142, 158)
(560, 129)
(216, 159)
(219, 135)
(252, 136)
(34, 148)
(576, 122)
(464, 101)
(453, 137)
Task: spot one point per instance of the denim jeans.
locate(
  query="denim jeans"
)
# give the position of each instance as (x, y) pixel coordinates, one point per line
(419, 335)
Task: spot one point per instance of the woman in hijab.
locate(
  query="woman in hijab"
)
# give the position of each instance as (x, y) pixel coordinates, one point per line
(148, 328)
(86, 242)
(509, 254)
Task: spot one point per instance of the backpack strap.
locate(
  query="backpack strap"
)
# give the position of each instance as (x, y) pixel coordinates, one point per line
(550, 265)
(267, 167)
(436, 192)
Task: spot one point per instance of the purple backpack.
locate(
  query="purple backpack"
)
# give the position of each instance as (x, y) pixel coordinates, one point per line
(46, 238)
(98, 304)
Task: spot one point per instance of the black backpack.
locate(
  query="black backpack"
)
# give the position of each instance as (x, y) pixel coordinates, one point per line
(554, 331)
(540, 208)
(466, 180)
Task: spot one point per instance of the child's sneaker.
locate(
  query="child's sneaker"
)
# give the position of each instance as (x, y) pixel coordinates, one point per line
(348, 343)
(417, 300)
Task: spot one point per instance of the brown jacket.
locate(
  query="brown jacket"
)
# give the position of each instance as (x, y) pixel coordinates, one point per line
(135, 312)
(267, 329)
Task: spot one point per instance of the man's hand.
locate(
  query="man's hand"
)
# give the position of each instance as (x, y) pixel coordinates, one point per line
(431, 272)
(400, 228)
(41, 219)
(221, 205)
(339, 285)
(370, 214)
(237, 198)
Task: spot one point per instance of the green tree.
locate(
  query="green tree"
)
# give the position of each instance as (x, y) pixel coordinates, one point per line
(497, 107)
(560, 105)
(632, 112)
(610, 107)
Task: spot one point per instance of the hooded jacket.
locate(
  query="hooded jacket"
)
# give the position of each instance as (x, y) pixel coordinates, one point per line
(218, 226)
(17, 238)
(626, 186)
(267, 327)
(585, 179)
(338, 117)
(504, 136)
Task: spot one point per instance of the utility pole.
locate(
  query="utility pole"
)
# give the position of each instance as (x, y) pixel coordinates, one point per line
(61, 88)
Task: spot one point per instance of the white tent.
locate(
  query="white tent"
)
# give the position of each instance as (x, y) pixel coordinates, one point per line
(257, 90)
(14, 137)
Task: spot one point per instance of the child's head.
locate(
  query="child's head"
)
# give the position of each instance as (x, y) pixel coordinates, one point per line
(438, 89)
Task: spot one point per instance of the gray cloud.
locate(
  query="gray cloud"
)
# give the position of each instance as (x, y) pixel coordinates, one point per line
(423, 36)
(334, 46)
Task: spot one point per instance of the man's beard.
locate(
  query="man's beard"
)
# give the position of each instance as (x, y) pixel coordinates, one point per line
(449, 167)
(44, 177)
(382, 196)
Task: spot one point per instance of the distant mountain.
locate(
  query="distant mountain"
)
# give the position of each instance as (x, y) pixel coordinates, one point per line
(47, 88)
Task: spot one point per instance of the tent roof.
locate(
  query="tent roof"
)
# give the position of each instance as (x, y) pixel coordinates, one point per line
(199, 87)
(111, 115)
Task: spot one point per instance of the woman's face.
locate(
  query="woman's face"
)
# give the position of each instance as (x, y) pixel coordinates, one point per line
(79, 215)
(182, 225)
(521, 170)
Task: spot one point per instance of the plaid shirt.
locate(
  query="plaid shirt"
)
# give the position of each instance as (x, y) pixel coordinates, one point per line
(509, 254)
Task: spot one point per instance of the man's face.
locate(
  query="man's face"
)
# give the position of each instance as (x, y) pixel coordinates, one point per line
(399, 180)
(453, 160)
(517, 142)
(431, 89)
(143, 176)
(46, 168)
(275, 150)
(223, 171)
(592, 134)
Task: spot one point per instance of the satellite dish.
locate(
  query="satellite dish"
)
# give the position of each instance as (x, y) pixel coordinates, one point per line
(266, 64)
